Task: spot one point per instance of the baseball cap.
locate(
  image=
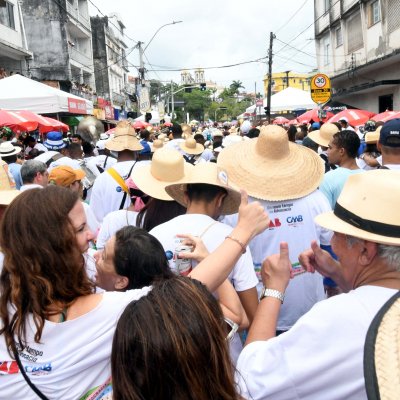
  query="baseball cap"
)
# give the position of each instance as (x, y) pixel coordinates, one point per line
(65, 175)
(390, 133)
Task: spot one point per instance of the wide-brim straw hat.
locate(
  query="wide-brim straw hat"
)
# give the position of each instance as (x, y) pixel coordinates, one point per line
(124, 139)
(373, 137)
(382, 353)
(157, 145)
(167, 167)
(365, 209)
(8, 149)
(190, 146)
(324, 135)
(272, 168)
(210, 174)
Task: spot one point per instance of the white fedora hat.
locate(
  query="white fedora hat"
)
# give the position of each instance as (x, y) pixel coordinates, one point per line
(7, 149)
(367, 208)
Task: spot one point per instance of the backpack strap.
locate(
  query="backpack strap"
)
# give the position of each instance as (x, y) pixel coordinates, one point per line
(118, 179)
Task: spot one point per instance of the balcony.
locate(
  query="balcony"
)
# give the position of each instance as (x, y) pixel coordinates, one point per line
(84, 19)
(81, 58)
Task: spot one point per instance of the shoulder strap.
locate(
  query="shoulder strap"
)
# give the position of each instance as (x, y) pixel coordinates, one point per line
(126, 191)
(26, 377)
(119, 179)
(207, 228)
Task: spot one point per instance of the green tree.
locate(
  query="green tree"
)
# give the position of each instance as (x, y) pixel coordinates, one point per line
(235, 86)
(197, 103)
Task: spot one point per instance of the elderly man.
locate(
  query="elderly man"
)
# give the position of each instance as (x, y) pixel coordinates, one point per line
(321, 357)
(34, 175)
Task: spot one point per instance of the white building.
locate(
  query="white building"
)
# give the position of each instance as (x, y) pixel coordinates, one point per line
(358, 47)
(14, 53)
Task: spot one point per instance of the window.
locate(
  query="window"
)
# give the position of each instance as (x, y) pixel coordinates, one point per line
(339, 36)
(327, 6)
(374, 13)
(7, 15)
(326, 53)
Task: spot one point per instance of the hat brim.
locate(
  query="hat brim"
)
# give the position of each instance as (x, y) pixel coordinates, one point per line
(230, 204)
(15, 151)
(54, 147)
(189, 150)
(153, 187)
(330, 221)
(316, 137)
(293, 177)
(7, 196)
(123, 143)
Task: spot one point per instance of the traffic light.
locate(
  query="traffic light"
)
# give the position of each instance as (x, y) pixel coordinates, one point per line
(188, 90)
(266, 110)
(203, 87)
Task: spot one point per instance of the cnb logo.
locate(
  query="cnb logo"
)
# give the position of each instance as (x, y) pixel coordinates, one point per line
(275, 223)
(294, 220)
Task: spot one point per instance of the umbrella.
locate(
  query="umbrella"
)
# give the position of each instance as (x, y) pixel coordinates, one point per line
(386, 116)
(168, 124)
(280, 121)
(354, 117)
(13, 120)
(312, 115)
(293, 122)
(45, 124)
(139, 125)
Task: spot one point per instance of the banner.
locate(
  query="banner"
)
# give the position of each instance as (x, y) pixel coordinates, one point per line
(161, 109)
(76, 106)
(144, 100)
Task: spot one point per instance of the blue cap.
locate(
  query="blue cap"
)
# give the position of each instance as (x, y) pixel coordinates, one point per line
(390, 133)
(315, 125)
(54, 141)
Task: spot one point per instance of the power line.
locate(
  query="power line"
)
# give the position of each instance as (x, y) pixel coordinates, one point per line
(304, 30)
(294, 14)
(297, 50)
(295, 61)
(175, 69)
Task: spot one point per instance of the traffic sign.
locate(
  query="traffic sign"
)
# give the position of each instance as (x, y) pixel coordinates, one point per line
(259, 103)
(320, 88)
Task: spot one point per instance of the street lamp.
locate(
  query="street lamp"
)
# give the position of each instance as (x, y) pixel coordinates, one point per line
(158, 30)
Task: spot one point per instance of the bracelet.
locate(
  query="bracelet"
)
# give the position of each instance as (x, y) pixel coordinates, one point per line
(240, 243)
(272, 293)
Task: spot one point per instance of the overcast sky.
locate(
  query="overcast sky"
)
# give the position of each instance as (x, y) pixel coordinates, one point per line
(218, 33)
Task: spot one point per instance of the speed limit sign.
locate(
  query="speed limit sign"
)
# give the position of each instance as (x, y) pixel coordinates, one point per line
(320, 88)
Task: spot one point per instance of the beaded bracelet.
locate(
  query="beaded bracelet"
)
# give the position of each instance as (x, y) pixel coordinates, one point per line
(240, 243)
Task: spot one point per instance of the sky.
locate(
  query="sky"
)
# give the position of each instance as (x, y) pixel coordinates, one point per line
(217, 33)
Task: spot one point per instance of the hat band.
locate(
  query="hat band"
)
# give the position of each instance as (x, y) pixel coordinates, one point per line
(2, 152)
(54, 142)
(375, 227)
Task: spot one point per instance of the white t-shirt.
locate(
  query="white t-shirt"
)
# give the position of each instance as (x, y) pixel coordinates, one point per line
(98, 161)
(64, 161)
(112, 223)
(107, 194)
(92, 222)
(321, 357)
(174, 144)
(292, 221)
(72, 358)
(207, 155)
(212, 233)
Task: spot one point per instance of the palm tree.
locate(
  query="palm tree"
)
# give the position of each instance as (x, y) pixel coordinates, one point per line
(235, 86)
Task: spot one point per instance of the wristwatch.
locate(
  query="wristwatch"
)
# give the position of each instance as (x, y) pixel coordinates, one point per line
(272, 293)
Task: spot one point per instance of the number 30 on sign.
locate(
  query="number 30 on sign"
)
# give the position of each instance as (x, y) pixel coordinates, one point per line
(320, 88)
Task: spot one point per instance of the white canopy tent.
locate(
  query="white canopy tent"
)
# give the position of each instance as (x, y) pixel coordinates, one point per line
(154, 120)
(20, 93)
(286, 100)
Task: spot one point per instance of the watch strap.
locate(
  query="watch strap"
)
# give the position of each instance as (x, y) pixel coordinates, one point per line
(272, 293)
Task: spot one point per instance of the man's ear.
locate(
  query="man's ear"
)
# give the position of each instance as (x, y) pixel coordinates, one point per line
(220, 199)
(186, 199)
(368, 252)
(121, 282)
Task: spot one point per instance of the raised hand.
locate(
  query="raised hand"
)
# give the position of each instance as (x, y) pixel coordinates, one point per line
(199, 251)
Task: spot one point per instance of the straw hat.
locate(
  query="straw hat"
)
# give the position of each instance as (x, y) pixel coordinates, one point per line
(157, 145)
(124, 138)
(167, 166)
(324, 135)
(7, 186)
(382, 352)
(365, 210)
(272, 168)
(163, 136)
(373, 137)
(210, 174)
(190, 146)
(8, 149)
(186, 131)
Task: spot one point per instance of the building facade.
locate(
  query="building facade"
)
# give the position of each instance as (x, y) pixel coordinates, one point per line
(358, 47)
(111, 66)
(282, 80)
(14, 54)
(59, 36)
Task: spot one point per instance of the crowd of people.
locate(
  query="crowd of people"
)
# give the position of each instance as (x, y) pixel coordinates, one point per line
(223, 261)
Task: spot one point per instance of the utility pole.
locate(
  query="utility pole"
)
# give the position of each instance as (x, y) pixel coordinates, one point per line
(271, 40)
(172, 101)
(141, 65)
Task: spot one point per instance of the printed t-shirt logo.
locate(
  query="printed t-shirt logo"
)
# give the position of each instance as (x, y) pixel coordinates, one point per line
(275, 223)
(294, 220)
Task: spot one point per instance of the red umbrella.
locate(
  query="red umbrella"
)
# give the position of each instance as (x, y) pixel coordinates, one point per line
(45, 124)
(168, 124)
(312, 115)
(293, 122)
(280, 121)
(354, 117)
(16, 121)
(386, 116)
(139, 125)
